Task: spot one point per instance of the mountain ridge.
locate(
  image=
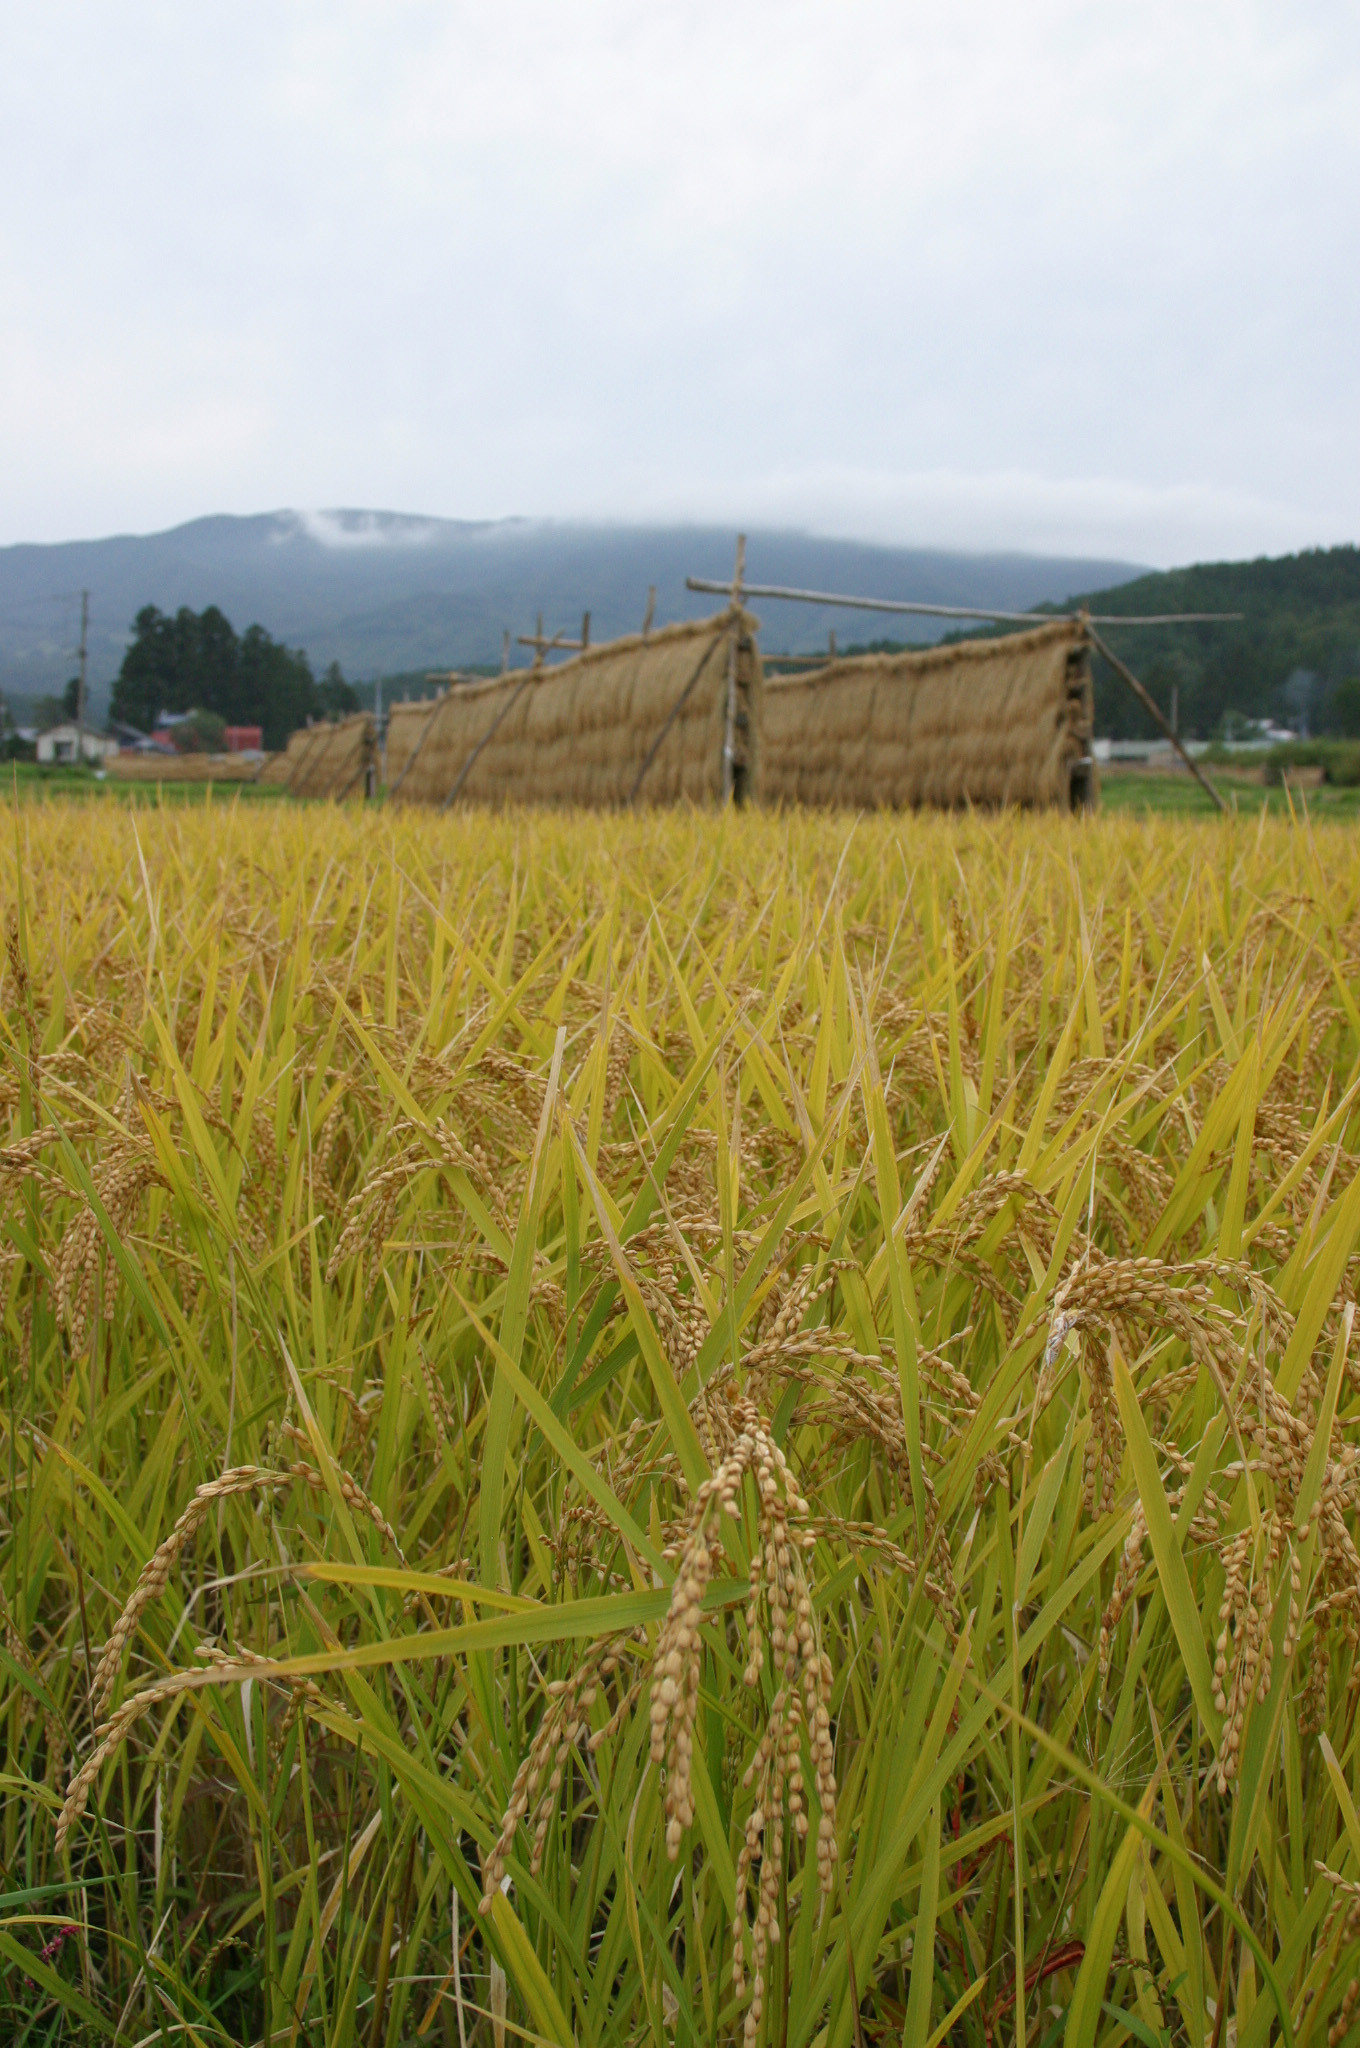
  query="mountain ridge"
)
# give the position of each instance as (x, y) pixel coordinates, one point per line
(390, 593)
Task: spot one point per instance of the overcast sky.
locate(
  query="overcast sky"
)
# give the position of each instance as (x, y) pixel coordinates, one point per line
(1041, 275)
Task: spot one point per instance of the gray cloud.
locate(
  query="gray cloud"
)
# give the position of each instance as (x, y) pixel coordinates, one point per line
(1059, 276)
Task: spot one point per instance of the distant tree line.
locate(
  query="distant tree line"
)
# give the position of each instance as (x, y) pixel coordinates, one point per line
(1293, 657)
(196, 661)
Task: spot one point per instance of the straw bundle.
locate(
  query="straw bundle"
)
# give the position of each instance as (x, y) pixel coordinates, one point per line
(182, 767)
(982, 722)
(642, 719)
(409, 724)
(336, 760)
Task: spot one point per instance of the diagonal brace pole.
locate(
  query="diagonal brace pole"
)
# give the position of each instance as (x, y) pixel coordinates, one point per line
(1149, 703)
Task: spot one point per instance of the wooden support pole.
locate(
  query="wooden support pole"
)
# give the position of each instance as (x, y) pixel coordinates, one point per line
(671, 716)
(558, 643)
(1150, 703)
(945, 611)
(505, 709)
(80, 680)
(315, 758)
(729, 754)
(410, 761)
(305, 756)
(362, 769)
(730, 721)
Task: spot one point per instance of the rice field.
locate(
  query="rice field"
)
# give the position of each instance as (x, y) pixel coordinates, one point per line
(678, 1429)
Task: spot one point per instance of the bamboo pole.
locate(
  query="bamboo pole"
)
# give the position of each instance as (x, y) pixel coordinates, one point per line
(730, 717)
(304, 755)
(367, 763)
(956, 611)
(314, 757)
(671, 716)
(505, 709)
(735, 595)
(318, 761)
(362, 769)
(1150, 703)
(410, 761)
(558, 643)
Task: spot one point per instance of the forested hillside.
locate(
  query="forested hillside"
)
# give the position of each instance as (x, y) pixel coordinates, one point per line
(196, 661)
(1296, 645)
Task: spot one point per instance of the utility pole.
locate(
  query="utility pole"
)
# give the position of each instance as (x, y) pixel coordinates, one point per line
(80, 684)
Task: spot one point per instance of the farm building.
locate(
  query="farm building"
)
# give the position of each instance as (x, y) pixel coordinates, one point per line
(69, 742)
(664, 717)
(332, 760)
(1005, 721)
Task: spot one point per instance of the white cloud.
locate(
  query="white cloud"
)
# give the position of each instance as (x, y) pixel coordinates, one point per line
(1057, 275)
(367, 530)
(1006, 509)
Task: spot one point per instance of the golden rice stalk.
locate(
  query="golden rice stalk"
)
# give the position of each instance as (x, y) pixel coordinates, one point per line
(351, 1492)
(113, 1732)
(155, 1574)
(120, 1181)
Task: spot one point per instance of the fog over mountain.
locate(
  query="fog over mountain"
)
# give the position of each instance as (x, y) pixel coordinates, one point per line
(386, 593)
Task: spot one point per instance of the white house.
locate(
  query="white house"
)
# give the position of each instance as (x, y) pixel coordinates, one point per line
(59, 743)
